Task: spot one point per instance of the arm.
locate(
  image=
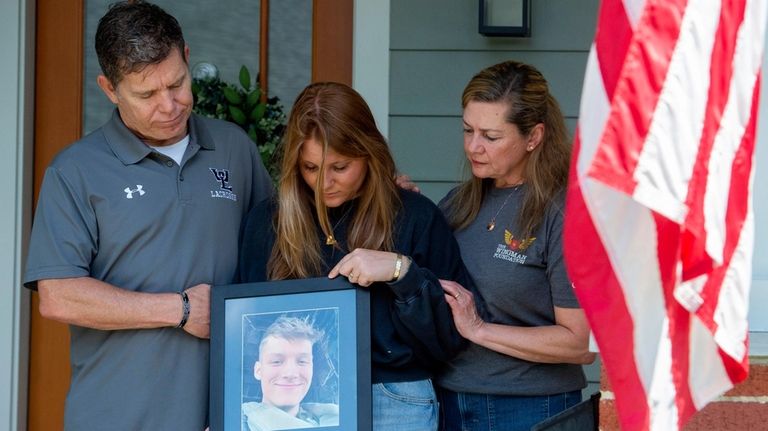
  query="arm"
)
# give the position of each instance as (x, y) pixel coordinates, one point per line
(567, 341)
(419, 311)
(91, 303)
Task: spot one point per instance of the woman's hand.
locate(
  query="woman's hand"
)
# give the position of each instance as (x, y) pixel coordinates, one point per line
(462, 304)
(365, 267)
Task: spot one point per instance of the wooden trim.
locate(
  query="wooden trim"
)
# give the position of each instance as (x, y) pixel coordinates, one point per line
(58, 122)
(332, 28)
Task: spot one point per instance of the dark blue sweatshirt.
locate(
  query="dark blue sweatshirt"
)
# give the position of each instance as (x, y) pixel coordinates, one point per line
(412, 329)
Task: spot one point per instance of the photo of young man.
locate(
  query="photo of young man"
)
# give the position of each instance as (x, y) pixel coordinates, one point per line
(284, 369)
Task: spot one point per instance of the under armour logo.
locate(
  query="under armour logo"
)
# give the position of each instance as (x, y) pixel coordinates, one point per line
(222, 176)
(129, 193)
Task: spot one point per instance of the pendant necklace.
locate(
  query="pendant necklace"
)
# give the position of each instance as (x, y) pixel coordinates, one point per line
(330, 240)
(492, 223)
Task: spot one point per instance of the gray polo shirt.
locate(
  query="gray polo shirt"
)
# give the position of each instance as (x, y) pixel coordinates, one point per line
(113, 209)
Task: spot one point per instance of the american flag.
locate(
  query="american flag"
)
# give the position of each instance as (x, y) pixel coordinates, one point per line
(659, 224)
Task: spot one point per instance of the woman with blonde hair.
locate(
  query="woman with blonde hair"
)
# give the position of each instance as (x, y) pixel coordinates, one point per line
(338, 212)
(523, 362)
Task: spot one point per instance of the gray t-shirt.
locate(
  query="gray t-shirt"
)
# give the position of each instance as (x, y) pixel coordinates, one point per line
(113, 209)
(521, 280)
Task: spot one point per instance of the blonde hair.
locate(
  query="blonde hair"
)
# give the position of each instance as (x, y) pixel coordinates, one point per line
(337, 117)
(525, 92)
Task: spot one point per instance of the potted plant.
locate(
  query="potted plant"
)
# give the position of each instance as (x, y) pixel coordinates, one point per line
(241, 104)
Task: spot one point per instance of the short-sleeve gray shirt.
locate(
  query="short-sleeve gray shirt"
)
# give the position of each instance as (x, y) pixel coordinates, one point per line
(113, 209)
(521, 280)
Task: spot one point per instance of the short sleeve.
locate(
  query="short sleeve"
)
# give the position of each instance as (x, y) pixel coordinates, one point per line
(561, 286)
(64, 232)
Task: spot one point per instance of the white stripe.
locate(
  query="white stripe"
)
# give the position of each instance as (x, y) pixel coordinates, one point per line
(733, 303)
(747, 61)
(628, 234)
(631, 251)
(707, 378)
(634, 8)
(662, 393)
(593, 113)
(669, 153)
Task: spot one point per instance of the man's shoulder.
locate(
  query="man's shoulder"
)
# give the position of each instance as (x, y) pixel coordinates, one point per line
(83, 152)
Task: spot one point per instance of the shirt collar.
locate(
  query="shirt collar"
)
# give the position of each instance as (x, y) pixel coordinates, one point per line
(130, 149)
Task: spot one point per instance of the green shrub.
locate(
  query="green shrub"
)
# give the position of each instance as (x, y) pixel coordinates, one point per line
(241, 104)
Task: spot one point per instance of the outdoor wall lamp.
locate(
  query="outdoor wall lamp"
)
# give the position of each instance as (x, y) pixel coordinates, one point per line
(505, 18)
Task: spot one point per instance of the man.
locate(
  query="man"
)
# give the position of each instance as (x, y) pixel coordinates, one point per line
(285, 367)
(134, 223)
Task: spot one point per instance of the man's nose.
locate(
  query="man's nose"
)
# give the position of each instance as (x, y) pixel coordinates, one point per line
(166, 102)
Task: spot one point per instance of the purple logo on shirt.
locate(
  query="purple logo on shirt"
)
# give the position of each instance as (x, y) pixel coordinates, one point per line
(225, 190)
(222, 176)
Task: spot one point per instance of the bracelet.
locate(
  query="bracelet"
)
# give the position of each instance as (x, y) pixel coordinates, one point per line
(398, 266)
(185, 308)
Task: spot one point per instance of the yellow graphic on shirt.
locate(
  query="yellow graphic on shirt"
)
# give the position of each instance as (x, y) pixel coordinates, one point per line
(517, 244)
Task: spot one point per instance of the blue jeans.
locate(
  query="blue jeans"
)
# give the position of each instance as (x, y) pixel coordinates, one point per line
(460, 411)
(404, 406)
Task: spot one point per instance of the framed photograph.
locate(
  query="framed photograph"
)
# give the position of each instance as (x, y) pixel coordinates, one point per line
(292, 354)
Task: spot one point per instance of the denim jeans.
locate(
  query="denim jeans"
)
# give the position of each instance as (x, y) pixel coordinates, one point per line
(478, 412)
(404, 406)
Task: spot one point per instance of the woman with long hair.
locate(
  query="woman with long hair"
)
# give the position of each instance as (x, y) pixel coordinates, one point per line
(338, 212)
(523, 362)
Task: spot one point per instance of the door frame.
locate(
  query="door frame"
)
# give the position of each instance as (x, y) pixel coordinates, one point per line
(17, 24)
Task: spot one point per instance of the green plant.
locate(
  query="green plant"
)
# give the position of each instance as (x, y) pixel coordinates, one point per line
(241, 104)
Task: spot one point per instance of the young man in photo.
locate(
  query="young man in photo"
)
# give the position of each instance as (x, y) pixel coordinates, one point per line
(285, 368)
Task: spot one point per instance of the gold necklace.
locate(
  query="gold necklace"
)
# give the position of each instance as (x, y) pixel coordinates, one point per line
(492, 223)
(330, 240)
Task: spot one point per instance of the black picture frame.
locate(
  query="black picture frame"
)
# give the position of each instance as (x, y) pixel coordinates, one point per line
(337, 308)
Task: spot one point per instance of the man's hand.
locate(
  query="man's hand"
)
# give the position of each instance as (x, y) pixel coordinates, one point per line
(199, 322)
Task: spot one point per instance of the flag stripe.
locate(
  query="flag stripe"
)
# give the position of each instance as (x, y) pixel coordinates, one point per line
(695, 259)
(637, 93)
(612, 41)
(725, 277)
(661, 188)
(599, 290)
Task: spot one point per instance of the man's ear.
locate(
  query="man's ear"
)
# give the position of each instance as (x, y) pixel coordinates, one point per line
(535, 137)
(186, 54)
(257, 370)
(107, 88)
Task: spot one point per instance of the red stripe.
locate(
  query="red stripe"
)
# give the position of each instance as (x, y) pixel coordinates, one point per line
(612, 39)
(667, 250)
(735, 216)
(601, 297)
(695, 259)
(637, 94)
(737, 370)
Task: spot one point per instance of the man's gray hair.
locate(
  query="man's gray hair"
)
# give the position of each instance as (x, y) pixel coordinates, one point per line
(134, 34)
